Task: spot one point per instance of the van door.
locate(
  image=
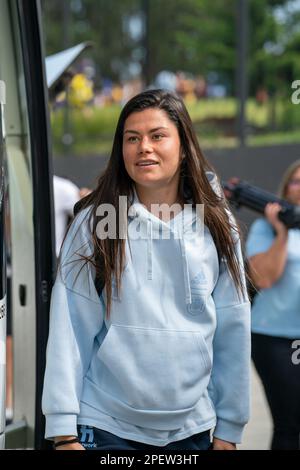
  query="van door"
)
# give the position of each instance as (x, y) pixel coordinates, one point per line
(31, 213)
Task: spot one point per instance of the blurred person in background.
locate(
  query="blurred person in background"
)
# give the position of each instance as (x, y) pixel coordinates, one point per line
(66, 194)
(274, 259)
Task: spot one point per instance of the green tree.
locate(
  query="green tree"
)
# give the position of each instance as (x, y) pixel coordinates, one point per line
(100, 21)
(197, 36)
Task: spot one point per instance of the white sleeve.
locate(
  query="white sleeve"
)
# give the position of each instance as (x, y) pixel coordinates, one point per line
(69, 197)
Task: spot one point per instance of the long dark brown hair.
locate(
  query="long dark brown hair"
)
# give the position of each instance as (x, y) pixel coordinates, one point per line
(108, 257)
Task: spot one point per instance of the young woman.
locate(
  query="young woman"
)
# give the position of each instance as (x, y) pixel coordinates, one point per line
(274, 259)
(149, 341)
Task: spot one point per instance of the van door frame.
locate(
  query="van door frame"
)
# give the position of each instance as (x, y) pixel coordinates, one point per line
(29, 14)
(3, 283)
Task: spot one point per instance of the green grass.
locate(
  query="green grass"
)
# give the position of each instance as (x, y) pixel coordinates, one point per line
(208, 108)
(93, 128)
(275, 138)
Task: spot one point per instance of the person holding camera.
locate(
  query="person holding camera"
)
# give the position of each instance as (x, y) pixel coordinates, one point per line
(273, 253)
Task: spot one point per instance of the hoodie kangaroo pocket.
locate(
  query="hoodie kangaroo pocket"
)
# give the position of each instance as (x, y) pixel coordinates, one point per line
(152, 369)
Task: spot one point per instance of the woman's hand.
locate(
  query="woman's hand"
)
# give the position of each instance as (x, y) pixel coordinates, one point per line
(71, 446)
(271, 213)
(218, 444)
(74, 446)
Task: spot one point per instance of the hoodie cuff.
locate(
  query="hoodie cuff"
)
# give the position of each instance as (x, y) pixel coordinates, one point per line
(228, 431)
(60, 425)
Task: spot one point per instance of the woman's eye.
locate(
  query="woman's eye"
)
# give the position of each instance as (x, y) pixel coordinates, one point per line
(132, 139)
(157, 136)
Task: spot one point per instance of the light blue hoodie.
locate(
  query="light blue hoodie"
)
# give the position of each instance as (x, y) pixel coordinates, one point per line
(174, 357)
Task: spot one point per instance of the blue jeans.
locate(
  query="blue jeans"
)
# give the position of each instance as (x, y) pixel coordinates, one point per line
(92, 438)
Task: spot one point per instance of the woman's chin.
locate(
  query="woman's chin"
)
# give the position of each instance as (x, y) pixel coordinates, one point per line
(148, 182)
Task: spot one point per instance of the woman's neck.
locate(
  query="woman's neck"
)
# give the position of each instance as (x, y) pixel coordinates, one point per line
(151, 199)
(147, 197)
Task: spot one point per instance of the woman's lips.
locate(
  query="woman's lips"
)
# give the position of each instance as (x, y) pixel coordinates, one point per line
(146, 165)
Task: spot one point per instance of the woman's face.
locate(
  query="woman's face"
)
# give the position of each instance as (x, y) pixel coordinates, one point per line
(293, 188)
(151, 149)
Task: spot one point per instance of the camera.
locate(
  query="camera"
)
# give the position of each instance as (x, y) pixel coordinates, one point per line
(240, 193)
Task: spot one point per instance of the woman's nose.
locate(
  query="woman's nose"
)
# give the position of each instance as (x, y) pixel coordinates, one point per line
(145, 145)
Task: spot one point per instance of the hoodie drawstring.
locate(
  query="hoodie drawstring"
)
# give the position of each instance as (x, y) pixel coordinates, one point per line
(149, 250)
(186, 276)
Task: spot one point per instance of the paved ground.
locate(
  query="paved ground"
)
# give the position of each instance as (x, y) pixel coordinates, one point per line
(258, 431)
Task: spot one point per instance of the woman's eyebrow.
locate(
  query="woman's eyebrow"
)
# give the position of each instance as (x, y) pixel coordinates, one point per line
(151, 130)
